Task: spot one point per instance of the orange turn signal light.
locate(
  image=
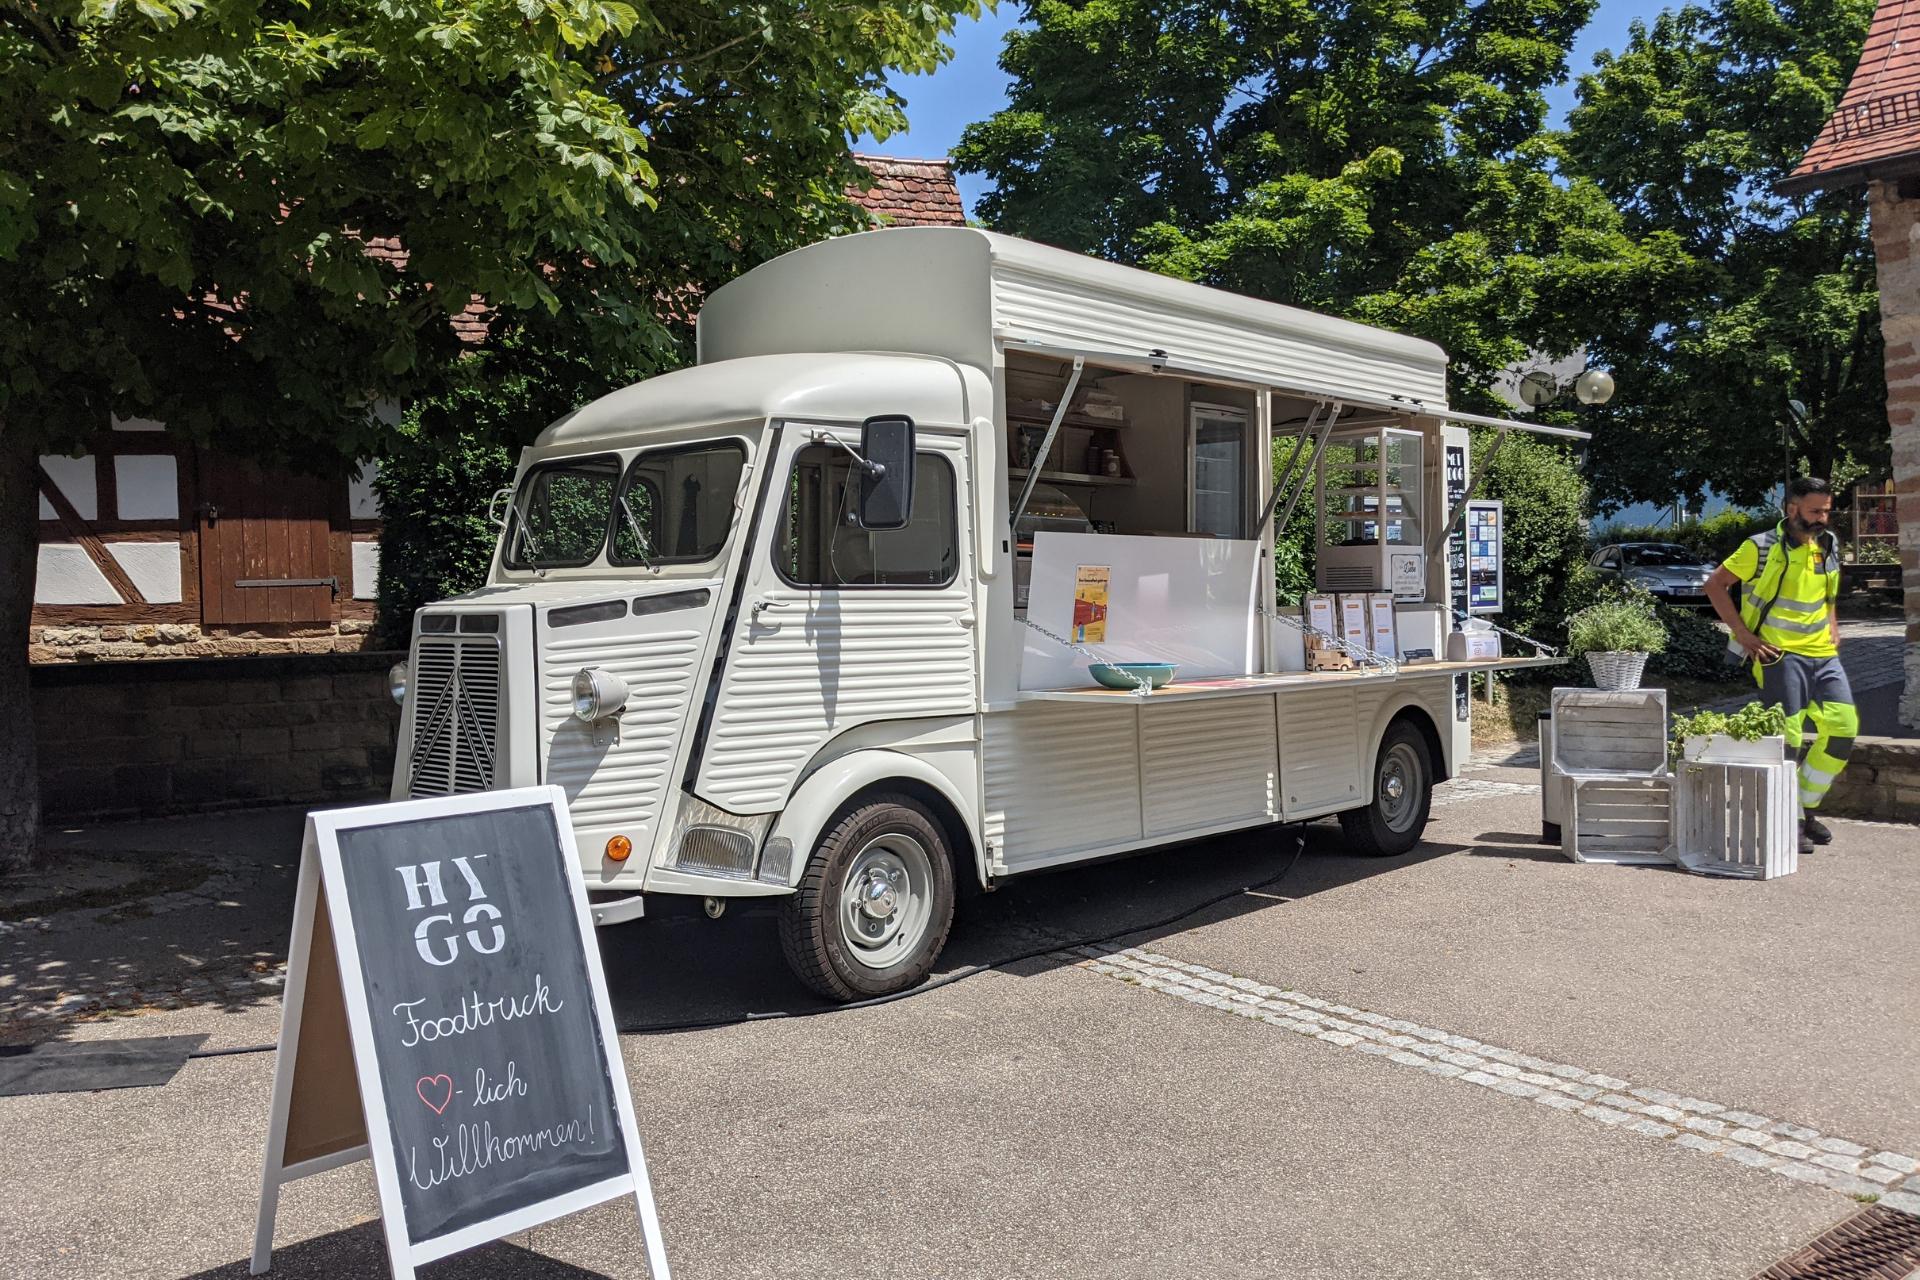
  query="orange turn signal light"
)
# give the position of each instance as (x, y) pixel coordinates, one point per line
(619, 848)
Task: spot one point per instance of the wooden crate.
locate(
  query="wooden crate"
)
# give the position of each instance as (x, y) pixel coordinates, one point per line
(1619, 820)
(1600, 733)
(1737, 819)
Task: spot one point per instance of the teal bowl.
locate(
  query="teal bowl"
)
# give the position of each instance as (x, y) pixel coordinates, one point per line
(1122, 675)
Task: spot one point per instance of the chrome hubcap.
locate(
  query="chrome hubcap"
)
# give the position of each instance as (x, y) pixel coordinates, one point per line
(1399, 784)
(885, 900)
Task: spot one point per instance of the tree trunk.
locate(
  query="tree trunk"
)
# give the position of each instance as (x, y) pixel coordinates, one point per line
(19, 560)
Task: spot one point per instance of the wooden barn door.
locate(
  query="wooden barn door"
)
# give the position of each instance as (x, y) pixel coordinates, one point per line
(265, 545)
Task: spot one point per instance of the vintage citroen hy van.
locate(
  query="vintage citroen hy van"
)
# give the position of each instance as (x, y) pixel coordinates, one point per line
(816, 618)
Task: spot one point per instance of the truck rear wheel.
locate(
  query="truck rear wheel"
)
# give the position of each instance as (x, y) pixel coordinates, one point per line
(1402, 795)
(873, 908)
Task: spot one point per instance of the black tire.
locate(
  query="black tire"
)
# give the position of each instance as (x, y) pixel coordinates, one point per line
(845, 952)
(1402, 796)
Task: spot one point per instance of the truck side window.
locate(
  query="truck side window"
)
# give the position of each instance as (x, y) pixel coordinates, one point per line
(818, 545)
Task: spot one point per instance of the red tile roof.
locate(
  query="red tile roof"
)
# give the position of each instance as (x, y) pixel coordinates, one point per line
(911, 193)
(1876, 128)
(470, 326)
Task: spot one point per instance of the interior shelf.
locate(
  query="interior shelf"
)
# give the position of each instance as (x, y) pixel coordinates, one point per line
(1071, 477)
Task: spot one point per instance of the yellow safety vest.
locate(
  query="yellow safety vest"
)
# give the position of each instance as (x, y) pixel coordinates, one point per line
(1787, 592)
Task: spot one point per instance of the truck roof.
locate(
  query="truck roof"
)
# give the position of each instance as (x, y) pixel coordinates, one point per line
(959, 293)
(837, 386)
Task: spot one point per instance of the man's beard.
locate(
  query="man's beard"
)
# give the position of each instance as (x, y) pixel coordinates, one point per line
(1807, 528)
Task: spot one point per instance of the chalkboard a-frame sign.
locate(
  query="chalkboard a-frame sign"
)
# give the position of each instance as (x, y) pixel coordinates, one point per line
(446, 1016)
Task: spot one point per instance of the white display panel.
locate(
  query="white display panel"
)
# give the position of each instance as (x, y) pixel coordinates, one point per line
(1188, 601)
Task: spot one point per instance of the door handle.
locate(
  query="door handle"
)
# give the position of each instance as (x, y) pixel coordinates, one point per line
(766, 606)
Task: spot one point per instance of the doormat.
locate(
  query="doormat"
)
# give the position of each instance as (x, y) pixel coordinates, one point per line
(1874, 1244)
(82, 1066)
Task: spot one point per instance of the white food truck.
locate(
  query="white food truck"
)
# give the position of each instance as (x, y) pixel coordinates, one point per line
(815, 618)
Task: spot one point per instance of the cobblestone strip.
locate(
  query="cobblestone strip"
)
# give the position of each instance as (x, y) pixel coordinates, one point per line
(245, 986)
(1792, 1151)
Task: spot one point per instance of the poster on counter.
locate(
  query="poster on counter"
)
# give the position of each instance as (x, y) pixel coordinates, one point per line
(1090, 599)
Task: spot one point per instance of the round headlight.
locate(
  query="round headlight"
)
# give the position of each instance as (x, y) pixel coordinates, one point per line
(598, 694)
(397, 681)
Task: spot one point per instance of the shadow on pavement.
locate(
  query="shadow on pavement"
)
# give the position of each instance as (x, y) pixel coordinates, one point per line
(669, 972)
(675, 968)
(361, 1251)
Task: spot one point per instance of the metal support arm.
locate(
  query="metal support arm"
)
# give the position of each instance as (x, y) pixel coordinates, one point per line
(1313, 459)
(1046, 445)
(1440, 535)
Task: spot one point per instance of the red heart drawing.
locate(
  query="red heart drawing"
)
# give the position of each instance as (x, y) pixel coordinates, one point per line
(421, 1085)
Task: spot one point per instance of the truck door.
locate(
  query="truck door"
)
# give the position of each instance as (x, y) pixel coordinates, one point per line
(838, 625)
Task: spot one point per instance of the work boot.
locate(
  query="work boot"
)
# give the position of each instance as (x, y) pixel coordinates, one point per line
(1816, 830)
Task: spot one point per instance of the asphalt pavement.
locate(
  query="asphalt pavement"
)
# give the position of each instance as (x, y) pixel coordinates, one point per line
(1214, 1061)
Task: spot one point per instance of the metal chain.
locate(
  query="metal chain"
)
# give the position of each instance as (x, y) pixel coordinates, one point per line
(1544, 650)
(1142, 685)
(1359, 652)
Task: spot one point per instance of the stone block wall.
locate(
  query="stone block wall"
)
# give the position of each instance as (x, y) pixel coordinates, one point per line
(1895, 211)
(130, 641)
(1881, 781)
(119, 739)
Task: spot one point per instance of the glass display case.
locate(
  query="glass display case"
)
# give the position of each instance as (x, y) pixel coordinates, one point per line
(1371, 516)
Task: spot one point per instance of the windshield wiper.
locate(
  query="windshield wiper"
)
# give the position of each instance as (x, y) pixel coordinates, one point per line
(633, 523)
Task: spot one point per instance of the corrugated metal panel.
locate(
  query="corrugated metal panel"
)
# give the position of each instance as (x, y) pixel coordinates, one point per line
(616, 781)
(1320, 748)
(1054, 311)
(1061, 777)
(817, 664)
(1208, 763)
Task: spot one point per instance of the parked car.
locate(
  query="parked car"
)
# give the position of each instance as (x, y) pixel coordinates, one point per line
(1667, 569)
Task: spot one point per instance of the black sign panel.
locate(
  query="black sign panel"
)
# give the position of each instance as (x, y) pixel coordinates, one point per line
(485, 1032)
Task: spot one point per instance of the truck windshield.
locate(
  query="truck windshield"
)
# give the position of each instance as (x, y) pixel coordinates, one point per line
(560, 515)
(672, 506)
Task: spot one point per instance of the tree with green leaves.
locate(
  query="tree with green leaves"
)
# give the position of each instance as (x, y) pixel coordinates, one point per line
(1687, 130)
(1383, 161)
(187, 189)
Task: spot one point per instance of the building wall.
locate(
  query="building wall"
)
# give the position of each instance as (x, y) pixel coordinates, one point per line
(1896, 241)
(130, 535)
(118, 739)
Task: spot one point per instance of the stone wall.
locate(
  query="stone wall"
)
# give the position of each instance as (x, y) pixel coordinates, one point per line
(1895, 210)
(117, 739)
(1881, 781)
(126, 642)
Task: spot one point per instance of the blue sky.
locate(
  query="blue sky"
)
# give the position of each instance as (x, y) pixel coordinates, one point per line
(972, 87)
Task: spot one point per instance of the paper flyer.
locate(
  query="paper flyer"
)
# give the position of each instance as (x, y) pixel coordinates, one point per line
(1090, 603)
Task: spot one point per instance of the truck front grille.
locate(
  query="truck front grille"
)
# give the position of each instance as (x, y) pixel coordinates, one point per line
(456, 715)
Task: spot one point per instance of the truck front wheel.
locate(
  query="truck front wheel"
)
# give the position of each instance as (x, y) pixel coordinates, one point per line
(873, 909)
(1402, 794)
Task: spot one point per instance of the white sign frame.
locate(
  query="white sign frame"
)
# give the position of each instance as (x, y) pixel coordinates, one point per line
(321, 874)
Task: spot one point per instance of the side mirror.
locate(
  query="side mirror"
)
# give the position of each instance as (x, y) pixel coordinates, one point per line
(886, 482)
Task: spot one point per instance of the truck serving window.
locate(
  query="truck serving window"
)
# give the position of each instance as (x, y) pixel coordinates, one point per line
(818, 545)
(680, 502)
(559, 518)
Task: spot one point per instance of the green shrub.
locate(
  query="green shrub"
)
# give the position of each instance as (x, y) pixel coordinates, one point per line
(435, 541)
(1696, 647)
(1545, 501)
(1625, 623)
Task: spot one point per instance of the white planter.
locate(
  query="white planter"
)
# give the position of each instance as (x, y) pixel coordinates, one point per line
(1718, 748)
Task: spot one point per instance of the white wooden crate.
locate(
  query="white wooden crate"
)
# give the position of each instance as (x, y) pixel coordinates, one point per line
(1619, 820)
(1737, 819)
(1603, 733)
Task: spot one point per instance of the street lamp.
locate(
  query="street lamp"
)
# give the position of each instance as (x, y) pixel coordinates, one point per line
(1594, 387)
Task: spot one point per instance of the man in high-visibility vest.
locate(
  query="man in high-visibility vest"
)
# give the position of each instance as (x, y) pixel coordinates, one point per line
(1786, 624)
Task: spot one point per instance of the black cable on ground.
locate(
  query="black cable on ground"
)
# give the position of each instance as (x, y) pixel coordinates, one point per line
(944, 980)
